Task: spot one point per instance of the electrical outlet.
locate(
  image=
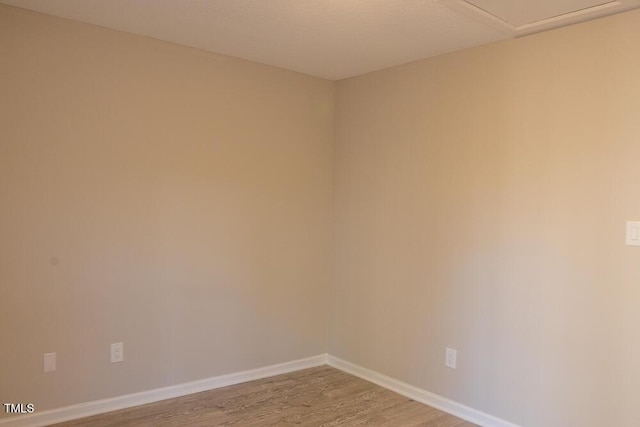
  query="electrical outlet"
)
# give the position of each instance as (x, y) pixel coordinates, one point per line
(451, 358)
(117, 352)
(49, 362)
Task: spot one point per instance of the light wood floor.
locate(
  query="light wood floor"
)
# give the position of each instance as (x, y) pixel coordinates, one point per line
(321, 396)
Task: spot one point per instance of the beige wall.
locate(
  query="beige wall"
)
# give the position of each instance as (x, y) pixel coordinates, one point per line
(180, 202)
(480, 202)
(175, 200)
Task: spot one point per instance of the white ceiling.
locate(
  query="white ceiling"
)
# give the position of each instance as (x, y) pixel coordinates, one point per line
(515, 14)
(333, 39)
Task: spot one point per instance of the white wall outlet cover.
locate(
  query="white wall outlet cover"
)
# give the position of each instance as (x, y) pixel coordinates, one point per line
(633, 233)
(117, 352)
(49, 362)
(451, 358)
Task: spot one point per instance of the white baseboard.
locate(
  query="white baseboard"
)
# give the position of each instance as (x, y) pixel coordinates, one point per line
(420, 395)
(95, 407)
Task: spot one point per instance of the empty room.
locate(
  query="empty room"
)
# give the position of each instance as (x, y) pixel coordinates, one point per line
(320, 212)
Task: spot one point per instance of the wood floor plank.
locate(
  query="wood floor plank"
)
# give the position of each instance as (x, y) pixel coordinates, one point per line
(322, 396)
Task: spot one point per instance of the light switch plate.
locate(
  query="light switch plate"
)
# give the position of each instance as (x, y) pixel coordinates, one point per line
(633, 233)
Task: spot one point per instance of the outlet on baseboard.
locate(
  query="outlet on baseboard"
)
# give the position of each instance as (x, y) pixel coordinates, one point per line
(117, 352)
(49, 362)
(451, 358)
